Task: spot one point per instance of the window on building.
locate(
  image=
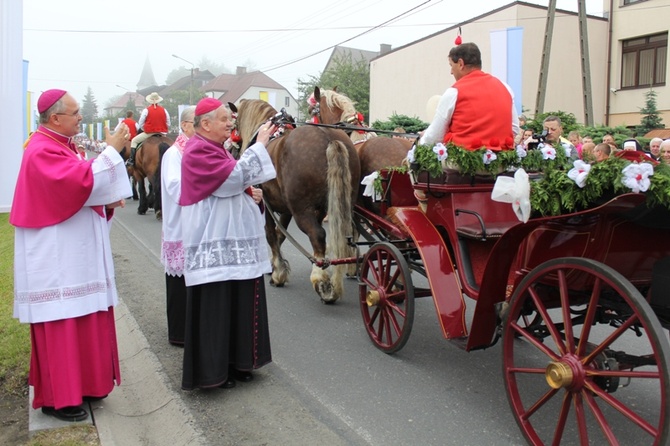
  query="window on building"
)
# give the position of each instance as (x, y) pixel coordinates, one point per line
(287, 101)
(644, 61)
(630, 2)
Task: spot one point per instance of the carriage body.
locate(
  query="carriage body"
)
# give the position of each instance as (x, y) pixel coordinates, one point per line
(576, 287)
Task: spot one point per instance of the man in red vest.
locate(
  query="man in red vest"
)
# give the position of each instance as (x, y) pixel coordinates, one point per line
(477, 110)
(130, 122)
(153, 120)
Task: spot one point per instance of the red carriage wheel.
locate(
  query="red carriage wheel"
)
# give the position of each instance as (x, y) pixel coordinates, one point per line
(585, 359)
(386, 297)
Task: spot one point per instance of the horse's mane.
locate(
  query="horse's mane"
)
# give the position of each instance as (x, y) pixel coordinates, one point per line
(335, 99)
(253, 113)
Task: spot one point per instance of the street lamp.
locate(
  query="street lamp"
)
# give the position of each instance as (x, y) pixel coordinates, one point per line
(190, 90)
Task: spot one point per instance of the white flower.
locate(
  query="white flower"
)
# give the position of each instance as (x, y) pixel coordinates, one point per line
(410, 154)
(636, 176)
(489, 156)
(441, 151)
(548, 152)
(520, 151)
(579, 173)
(516, 191)
(568, 148)
(369, 183)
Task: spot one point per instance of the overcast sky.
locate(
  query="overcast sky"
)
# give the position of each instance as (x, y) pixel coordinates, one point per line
(76, 44)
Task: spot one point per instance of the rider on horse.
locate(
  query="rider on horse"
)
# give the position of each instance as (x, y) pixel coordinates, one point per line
(153, 120)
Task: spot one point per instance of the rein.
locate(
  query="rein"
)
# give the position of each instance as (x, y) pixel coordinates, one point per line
(345, 127)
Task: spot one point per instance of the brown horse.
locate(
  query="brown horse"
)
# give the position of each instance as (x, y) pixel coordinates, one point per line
(147, 165)
(374, 153)
(317, 174)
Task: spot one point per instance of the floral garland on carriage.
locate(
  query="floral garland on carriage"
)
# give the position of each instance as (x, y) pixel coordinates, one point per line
(559, 184)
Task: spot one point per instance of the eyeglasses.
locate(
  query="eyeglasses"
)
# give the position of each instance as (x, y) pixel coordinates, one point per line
(74, 115)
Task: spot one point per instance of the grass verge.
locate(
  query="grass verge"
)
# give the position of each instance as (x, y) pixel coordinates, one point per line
(14, 337)
(15, 353)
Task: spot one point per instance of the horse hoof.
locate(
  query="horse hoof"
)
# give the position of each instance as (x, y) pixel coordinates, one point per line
(328, 302)
(141, 213)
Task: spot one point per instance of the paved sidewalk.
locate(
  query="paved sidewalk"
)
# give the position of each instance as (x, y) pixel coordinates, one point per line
(142, 410)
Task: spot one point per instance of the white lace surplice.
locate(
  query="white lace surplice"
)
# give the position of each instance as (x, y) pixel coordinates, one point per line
(66, 270)
(224, 235)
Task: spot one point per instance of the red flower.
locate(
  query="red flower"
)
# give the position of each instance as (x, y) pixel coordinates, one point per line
(495, 142)
(235, 136)
(476, 143)
(509, 142)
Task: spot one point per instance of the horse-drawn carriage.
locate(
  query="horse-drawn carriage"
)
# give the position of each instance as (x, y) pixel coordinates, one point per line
(579, 300)
(570, 296)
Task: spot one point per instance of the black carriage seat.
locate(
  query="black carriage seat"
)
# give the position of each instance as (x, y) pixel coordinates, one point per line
(479, 230)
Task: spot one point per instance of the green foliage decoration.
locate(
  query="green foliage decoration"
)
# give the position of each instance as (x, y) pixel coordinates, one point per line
(552, 191)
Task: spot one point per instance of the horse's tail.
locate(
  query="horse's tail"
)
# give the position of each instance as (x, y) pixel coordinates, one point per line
(339, 202)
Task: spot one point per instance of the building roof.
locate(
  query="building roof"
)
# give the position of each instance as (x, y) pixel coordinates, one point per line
(122, 101)
(200, 78)
(658, 133)
(147, 78)
(234, 86)
(341, 52)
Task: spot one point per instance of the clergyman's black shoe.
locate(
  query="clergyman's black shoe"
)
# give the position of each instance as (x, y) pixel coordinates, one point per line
(71, 414)
(243, 376)
(229, 384)
(91, 399)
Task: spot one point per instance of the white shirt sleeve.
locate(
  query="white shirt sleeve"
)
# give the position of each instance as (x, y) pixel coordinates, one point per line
(143, 117)
(171, 175)
(254, 167)
(515, 118)
(440, 125)
(110, 179)
(167, 117)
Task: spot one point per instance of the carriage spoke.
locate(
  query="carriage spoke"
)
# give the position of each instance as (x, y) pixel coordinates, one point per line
(540, 307)
(590, 316)
(538, 404)
(565, 308)
(562, 418)
(616, 334)
(622, 408)
(533, 340)
(581, 419)
(600, 418)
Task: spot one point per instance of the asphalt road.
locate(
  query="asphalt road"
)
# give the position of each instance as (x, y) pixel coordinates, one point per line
(327, 384)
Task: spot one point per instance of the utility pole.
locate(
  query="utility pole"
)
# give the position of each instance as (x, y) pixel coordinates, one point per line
(586, 63)
(546, 52)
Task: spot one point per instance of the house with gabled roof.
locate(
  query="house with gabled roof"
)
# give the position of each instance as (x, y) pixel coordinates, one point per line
(250, 85)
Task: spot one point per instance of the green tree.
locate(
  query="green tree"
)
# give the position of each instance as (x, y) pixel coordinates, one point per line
(352, 79)
(89, 107)
(411, 125)
(651, 119)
